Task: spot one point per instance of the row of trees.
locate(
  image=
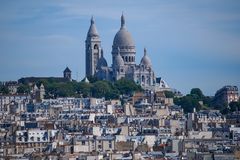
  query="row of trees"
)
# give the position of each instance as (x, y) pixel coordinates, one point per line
(195, 99)
(21, 89)
(95, 88)
(98, 89)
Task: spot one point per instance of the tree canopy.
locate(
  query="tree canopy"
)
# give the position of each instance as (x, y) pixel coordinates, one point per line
(23, 89)
(4, 89)
(95, 88)
(188, 102)
(126, 86)
(192, 100)
(197, 92)
(169, 94)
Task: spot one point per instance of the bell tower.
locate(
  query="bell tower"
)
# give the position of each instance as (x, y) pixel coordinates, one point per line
(93, 49)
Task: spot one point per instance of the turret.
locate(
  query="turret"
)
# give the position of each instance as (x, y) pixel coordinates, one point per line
(67, 73)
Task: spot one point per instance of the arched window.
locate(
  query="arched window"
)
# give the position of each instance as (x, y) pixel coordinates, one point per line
(95, 46)
(126, 59)
(148, 81)
(129, 59)
(143, 79)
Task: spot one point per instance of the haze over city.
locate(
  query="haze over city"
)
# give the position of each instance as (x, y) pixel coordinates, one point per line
(191, 44)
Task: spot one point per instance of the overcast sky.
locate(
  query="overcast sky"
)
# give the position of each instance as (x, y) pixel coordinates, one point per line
(191, 43)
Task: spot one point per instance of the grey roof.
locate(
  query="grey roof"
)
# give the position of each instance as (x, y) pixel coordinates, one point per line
(145, 59)
(92, 32)
(102, 61)
(67, 70)
(85, 80)
(123, 37)
(118, 59)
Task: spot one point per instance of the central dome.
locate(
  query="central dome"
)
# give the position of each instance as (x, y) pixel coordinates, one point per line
(123, 37)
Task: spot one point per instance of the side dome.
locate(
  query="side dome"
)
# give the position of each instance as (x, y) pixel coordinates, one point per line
(118, 59)
(146, 60)
(123, 37)
(102, 61)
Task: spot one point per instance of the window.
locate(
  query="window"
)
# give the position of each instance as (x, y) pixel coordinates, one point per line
(110, 144)
(143, 79)
(83, 142)
(95, 46)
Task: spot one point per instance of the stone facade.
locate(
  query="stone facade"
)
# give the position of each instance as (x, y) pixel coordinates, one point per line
(226, 94)
(123, 58)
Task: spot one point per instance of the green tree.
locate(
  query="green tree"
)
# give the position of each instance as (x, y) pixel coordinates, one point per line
(96, 89)
(23, 89)
(113, 94)
(84, 89)
(188, 102)
(92, 79)
(198, 92)
(169, 94)
(234, 106)
(100, 89)
(64, 90)
(44, 82)
(60, 89)
(4, 89)
(126, 86)
(207, 101)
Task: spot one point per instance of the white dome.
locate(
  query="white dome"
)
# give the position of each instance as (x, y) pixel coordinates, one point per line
(146, 60)
(118, 59)
(123, 37)
(102, 61)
